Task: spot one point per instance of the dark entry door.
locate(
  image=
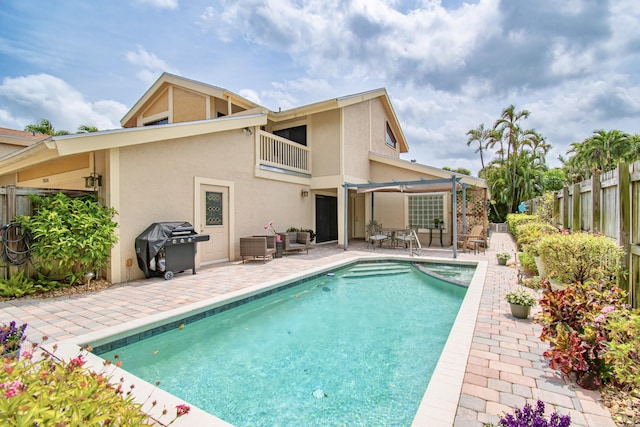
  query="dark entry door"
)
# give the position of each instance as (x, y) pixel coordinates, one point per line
(326, 218)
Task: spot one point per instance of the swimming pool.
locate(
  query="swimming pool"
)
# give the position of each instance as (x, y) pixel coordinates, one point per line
(357, 346)
(439, 402)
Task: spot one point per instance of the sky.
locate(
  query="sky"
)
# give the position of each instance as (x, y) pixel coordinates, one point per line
(448, 65)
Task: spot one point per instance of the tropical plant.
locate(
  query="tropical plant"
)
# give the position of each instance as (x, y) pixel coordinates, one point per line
(515, 174)
(87, 129)
(599, 153)
(71, 236)
(573, 325)
(482, 136)
(623, 332)
(530, 417)
(520, 296)
(553, 179)
(45, 127)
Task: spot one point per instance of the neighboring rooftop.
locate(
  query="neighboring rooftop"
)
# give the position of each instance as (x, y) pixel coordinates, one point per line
(20, 137)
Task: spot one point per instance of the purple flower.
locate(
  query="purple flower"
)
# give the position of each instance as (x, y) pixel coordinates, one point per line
(529, 417)
(608, 309)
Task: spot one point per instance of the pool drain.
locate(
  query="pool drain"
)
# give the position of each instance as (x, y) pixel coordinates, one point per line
(319, 393)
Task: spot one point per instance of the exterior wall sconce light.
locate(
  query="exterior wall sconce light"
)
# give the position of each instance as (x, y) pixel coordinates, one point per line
(304, 192)
(94, 180)
(247, 131)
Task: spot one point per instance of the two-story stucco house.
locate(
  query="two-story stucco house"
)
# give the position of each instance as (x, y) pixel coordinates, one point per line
(193, 152)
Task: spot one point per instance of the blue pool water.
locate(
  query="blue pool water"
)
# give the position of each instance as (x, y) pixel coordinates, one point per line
(356, 348)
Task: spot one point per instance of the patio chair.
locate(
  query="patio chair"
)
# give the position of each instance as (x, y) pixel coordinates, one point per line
(477, 233)
(258, 247)
(375, 236)
(405, 237)
(295, 241)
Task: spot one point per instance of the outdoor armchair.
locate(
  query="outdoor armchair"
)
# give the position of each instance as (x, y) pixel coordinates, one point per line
(257, 247)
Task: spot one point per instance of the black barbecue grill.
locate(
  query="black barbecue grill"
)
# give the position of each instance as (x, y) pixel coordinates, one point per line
(167, 247)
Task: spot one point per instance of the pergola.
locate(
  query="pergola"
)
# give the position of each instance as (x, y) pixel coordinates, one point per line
(418, 186)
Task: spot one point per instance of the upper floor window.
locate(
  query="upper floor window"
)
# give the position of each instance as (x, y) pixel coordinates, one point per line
(158, 122)
(391, 138)
(296, 134)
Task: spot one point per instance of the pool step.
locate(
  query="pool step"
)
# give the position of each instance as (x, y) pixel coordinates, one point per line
(377, 269)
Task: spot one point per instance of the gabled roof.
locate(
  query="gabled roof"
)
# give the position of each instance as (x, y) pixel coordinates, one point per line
(20, 137)
(207, 89)
(275, 116)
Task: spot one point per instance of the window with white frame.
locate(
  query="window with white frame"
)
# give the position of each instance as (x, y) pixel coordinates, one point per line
(391, 138)
(424, 209)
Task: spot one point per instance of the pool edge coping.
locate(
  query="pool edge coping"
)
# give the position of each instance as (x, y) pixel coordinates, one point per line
(449, 370)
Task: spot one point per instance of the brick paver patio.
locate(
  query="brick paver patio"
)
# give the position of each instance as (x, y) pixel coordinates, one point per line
(505, 367)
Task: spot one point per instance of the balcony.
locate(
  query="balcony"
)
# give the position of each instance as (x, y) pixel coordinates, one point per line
(278, 154)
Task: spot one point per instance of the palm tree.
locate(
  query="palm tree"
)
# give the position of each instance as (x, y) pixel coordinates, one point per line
(603, 150)
(45, 127)
(87, 129)
(481, 136)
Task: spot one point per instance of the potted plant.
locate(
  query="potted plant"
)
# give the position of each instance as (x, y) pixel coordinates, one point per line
(11, 338)
(503, 257)
(521, 302)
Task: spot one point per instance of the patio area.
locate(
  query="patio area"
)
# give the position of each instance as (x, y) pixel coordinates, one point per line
(505, 368)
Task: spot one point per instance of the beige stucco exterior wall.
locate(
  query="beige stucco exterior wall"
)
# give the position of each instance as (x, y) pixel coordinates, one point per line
(357, 139)
(323, 138)
(159, 105)
(167, 170)
(188, 106)
(365, 131)
(379, 119)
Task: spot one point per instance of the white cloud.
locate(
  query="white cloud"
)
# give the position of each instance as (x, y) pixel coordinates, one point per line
(150, 66)
(33, 97)
(160, 4)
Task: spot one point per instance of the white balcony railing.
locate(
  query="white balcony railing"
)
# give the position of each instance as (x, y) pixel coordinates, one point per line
(282, 153)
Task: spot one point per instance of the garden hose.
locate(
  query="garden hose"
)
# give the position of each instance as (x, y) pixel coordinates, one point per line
(16, 243)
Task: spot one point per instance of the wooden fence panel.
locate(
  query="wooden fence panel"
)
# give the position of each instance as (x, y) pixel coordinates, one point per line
(608, 204)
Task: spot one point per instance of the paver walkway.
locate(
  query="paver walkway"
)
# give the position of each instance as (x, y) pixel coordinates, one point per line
(505, 367)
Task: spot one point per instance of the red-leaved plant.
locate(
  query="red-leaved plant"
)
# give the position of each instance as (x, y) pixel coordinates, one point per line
(572, 320)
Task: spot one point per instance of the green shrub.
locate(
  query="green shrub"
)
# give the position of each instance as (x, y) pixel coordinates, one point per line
(513, 220)
(530, 232)
(312, 234)
(576, 257)
(623, 330)
(72, 236)
(545, 207)
(528, 263)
